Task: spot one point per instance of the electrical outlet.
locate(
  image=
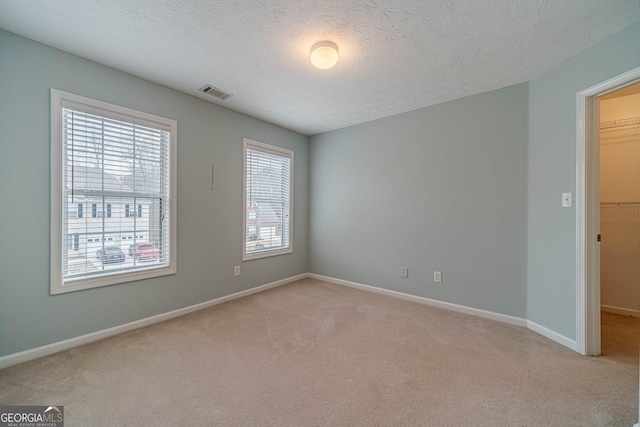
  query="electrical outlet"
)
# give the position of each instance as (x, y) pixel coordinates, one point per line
(236, 270)
(404, 272)
(437, 276)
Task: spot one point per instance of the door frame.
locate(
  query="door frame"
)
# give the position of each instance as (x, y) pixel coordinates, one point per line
(588, 210)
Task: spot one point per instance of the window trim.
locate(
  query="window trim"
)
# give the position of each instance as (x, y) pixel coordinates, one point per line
(58, 101)
(268, 148)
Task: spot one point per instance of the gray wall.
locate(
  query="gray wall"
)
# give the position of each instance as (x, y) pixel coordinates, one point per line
(441, 188)
(209, 223)
(551, 281)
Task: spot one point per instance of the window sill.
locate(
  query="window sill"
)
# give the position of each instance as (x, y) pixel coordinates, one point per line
(266, 254)
(112, 279)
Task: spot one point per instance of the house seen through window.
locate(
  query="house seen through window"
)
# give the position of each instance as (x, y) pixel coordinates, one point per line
(113, 181)
(268, 207)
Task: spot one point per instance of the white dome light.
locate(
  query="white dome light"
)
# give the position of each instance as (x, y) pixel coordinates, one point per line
(324, 55)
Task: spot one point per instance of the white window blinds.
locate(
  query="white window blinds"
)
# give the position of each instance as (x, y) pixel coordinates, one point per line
(268, 184)
(116, 195)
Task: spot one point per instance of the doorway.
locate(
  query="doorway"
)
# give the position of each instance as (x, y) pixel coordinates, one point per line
(588, 286)
(619, 140)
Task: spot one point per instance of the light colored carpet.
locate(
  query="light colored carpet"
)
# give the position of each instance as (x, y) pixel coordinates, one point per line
(318, 354)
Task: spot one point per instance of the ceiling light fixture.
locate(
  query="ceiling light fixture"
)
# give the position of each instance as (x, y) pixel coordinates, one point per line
(324, 55)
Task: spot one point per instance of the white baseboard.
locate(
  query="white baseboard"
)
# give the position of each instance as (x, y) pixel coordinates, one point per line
(24, 356)
(620, 310)
(505, 318)
(554, 336)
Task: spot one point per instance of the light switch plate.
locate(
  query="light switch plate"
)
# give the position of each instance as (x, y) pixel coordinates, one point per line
(566, 200)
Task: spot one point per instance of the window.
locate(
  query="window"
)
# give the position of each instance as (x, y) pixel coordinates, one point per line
(109, 156)
(75, 210)
(97, 211)
(268, 206)
(129, 211)
(73, 242)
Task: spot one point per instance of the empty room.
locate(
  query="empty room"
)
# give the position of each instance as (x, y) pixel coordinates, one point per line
(301, 213)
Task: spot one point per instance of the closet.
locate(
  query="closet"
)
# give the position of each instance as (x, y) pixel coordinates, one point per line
(620, 201)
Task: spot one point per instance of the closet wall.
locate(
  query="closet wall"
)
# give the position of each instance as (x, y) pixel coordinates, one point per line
(620, 203)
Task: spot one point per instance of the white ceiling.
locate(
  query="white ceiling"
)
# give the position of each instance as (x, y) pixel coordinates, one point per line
(395, 55)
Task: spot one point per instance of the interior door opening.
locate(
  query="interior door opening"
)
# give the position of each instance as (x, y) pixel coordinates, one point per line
(618, 115)
(588, 292)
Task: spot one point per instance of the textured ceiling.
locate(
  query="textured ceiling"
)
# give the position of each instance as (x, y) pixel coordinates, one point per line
(395, 55)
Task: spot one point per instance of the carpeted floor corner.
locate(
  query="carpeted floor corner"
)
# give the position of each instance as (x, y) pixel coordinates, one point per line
(317, 354)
